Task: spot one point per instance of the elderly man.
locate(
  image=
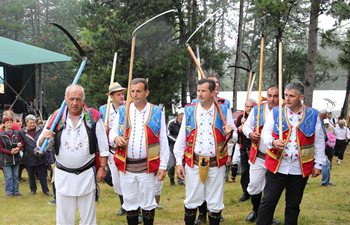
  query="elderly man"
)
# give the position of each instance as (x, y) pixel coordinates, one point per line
(77, 136)
(142, 155)
(201, 139)
(244, 148)
(116, 93)
(257, 154)
(33, 161)
(293, 158)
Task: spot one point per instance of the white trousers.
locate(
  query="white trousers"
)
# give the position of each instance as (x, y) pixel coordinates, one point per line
(138, 190)
(257, 179)
(158, 187)
(236, 159)
(115, 174)
(212, 191)
(67, 205)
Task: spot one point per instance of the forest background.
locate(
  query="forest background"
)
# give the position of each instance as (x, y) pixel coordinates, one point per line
(104, 27)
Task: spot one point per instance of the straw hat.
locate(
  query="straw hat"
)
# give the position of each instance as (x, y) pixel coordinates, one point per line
(115, 87)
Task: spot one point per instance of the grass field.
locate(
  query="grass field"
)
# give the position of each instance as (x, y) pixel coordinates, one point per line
(320, 205)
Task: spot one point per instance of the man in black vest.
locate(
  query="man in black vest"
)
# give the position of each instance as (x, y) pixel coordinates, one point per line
(77, 136)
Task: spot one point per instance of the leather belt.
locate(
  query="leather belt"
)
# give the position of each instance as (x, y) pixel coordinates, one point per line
(261, 155)
(76, 171)
(212, 163)
(136, 165)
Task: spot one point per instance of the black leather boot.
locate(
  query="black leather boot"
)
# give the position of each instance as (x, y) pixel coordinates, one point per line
(214, 218)
(234, 171)
(148, 217)
(202, 217)
(121, 210)
(132, 217)
(190, 216)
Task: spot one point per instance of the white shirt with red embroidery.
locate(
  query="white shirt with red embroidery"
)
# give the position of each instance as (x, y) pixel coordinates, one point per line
(249, 126)
(290, 162)
(205, 142)
(137, 137)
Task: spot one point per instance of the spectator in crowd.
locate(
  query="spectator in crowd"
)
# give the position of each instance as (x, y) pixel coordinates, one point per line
(15, 125)
(34, 162)
(11, 144)
(343, 136)
(329, 151)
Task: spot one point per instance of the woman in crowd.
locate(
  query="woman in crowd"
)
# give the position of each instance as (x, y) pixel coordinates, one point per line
(11, 144)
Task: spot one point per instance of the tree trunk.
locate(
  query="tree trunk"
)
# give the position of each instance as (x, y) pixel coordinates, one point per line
(192, 18)
(236, 80)
(205, 8)
(222, 28)
(312, 52)
(344, 111)
(182, 28)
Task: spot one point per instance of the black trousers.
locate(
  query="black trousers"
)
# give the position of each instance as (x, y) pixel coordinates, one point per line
(42, 174)
(244, 170)
(275, 184)
(339, 148)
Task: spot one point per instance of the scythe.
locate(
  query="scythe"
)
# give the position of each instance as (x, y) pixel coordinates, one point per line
(75, 81)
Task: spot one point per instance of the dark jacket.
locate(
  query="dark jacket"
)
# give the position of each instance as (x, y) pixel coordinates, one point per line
(29, 156)
(8, 141)
(243, 141)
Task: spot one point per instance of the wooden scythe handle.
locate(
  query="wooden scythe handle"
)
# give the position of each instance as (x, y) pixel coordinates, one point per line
(128, 98)
(280, 90)
(194, 58)
(262, 45)
(248, 88)
(110, 83)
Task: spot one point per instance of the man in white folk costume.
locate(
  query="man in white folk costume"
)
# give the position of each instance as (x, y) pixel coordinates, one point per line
(200, 140)
(77, 137)
(117, 95)
(142, 155)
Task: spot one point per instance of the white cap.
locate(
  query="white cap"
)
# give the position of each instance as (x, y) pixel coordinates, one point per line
(323, 110)
(181, 111)
(326, 121)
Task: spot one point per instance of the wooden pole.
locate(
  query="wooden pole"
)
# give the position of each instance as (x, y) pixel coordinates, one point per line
(262, 45)
(128, 96)
(193, 56)
(110, 83)
(248, 88)
(189, 49)
(280, 89)
(199, 61)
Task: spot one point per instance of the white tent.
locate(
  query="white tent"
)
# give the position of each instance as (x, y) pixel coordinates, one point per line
(319, 102)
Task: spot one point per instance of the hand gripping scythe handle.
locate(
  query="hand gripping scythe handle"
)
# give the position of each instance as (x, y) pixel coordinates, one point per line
(75, 81)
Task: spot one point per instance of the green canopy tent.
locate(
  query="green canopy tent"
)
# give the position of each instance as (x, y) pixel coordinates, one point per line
(21, 74)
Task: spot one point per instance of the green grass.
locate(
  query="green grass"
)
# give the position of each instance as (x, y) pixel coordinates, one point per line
(320, 205)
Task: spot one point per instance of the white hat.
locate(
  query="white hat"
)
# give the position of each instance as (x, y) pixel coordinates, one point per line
(325, 121)
(181, 111)
(341, 122)
(323, 110)
(115, 87)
